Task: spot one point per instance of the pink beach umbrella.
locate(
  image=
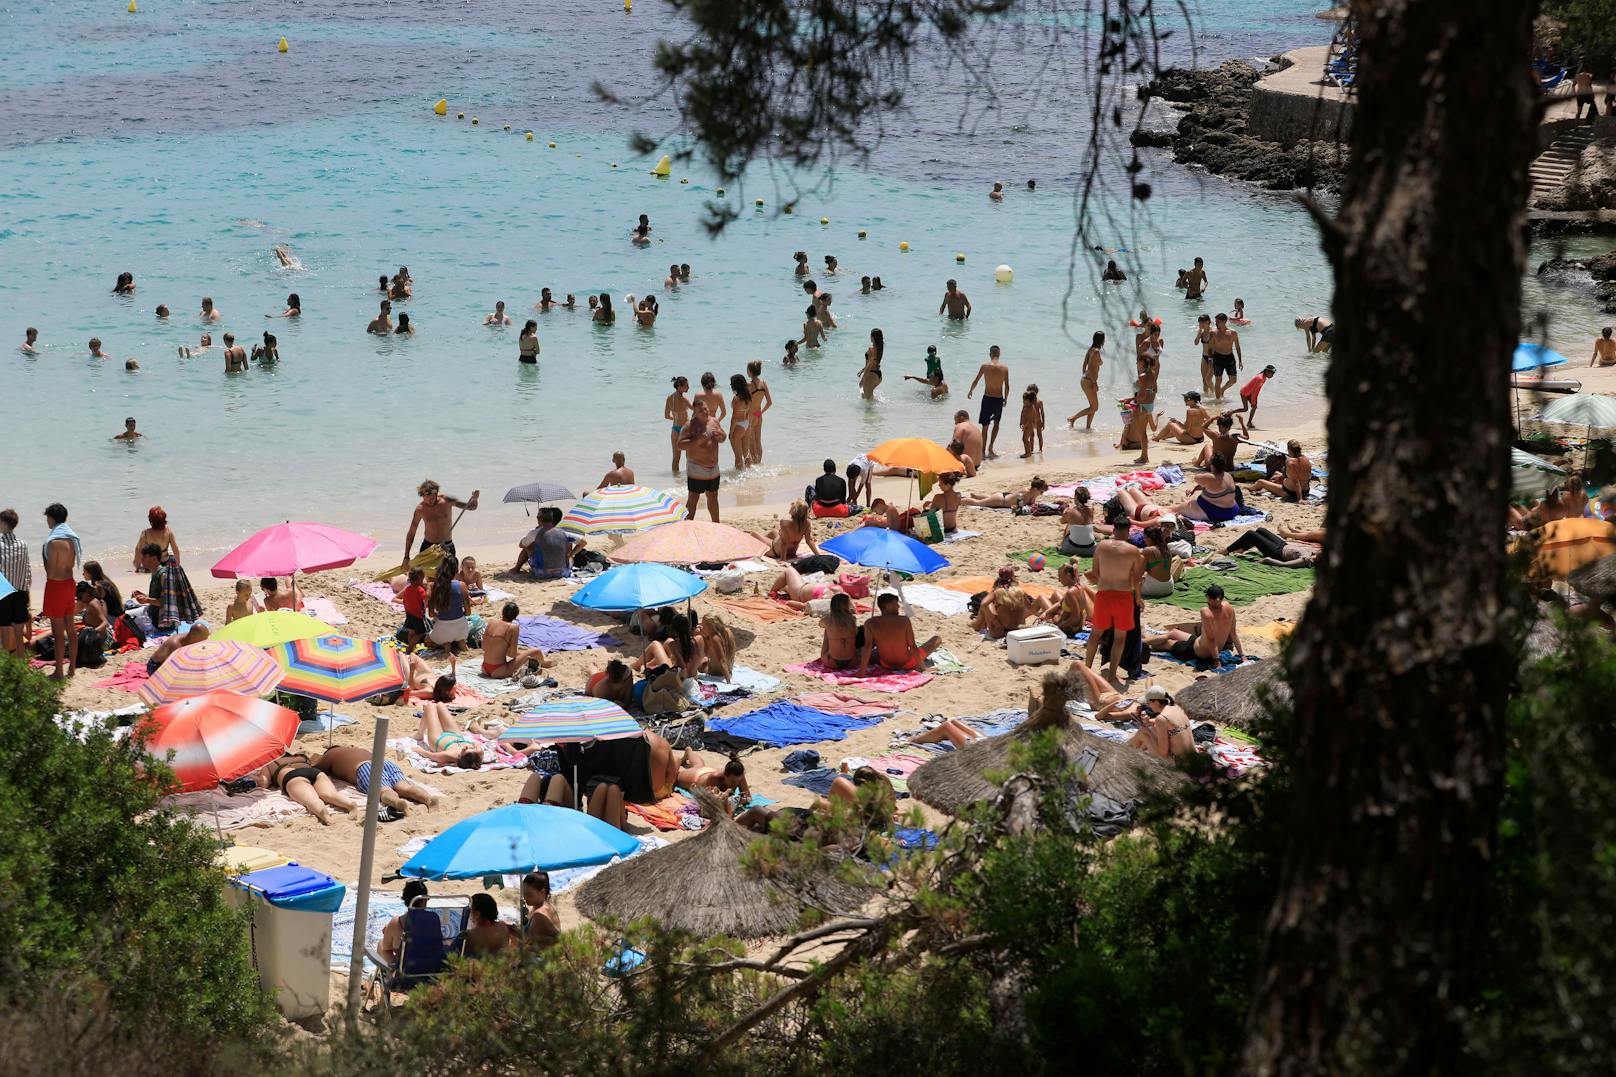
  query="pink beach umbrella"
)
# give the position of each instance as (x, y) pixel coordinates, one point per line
(290, 548)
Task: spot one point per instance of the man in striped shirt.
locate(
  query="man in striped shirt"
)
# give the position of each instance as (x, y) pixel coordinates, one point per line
(14, 567)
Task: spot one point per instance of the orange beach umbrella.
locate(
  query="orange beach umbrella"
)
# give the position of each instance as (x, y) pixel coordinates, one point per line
(916, 454)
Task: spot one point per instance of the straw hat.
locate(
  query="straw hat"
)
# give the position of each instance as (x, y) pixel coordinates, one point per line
(1121, 772)
(698, 885)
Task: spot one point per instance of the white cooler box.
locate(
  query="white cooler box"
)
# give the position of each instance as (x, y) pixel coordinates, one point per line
(1030, 646)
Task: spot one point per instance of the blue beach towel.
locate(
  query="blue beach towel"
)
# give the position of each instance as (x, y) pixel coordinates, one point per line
(552, 634)
(1227, 662)
(784, 723)
(816, 781)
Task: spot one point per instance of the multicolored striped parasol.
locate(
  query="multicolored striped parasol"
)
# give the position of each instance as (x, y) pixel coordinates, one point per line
(217, 736)
(209, 666)
(339, 669)
(621, 510)
(577, 718)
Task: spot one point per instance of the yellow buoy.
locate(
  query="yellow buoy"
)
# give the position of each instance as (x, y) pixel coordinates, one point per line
(442, 107)
(663, 167)
(278, 48)
(903, 246)
(787, 207)
(132, 7)
(552, 145)
(757, 202)
(682, 179)
(862, 233)
(460, 115)
(721, 192)
(530, 136)
(824, 220)
(959, 257)
(474, 121)
(614, 164)
(628, 5)
(507, 127)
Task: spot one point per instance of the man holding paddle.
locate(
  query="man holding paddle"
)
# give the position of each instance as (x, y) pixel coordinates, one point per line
(432, 514)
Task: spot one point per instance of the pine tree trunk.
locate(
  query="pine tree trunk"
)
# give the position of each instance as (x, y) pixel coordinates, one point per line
(1400, 666)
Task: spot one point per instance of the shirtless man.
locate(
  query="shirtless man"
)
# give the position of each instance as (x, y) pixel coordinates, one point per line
(963, 457)
(62, 555)
(29, 338)
(995, 379)
(671, 281)
(889, 638)
(792, 530)
(1297, 478)
(813, 330)
(274, 599)
(955, 302)
(1220, 441)
(210, 313)
(503, 653)
(620, 474)
(1604, 348)
(433, 513)
(709, 395)
(1195, 281)
(1227, 357)
(353, 765)
(129, 434)
(1192, 431)
(235, 356)
(382, 324)
(498, 317)
(95, 349)
(1070, 607)
(997, 194)
(699, 441)
(1205, 642)
(1118, 566)
(968, 434)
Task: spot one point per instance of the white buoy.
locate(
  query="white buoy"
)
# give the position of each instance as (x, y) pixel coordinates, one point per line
(1003, 274)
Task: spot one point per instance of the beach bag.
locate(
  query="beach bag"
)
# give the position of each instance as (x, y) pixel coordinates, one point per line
(855, 585)
(831, 512)
(664, 693)
(729, 582)
(125, 631)
(927, 526)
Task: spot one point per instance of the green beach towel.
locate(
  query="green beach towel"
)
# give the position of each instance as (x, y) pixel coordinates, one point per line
(1053, 558)
(1241, 586)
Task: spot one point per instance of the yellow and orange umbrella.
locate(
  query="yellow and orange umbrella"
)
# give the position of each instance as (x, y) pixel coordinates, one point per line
(1563, 546)
(916, 454)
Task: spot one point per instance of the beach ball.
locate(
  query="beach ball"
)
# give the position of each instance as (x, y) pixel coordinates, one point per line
(1035, 561)
(1003, 273)
(903, 246)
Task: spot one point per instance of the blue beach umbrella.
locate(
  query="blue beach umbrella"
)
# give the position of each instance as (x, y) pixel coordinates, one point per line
(519, 838)
(638, 587)
(877, 547)
(1533, 356)
(6, 588)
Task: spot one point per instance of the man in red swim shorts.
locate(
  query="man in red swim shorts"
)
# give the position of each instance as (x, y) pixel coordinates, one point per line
(61, 557)
(1118, 567)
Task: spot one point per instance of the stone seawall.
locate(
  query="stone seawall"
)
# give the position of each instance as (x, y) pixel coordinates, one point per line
(1292, 106)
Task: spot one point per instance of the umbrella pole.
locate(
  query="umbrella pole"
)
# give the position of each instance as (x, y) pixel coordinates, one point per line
(367, 860)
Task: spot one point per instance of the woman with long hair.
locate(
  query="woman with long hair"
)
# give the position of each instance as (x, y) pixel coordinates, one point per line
(448, 604)
(870, 375)
(740, 421)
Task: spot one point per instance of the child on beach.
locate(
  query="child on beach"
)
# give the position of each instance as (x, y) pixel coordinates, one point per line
(1032, 421)
(245, 605)
(1239, 315)
(790, 358)
(676, 409)
(413, 599)
(471, 578)
(1246, 413)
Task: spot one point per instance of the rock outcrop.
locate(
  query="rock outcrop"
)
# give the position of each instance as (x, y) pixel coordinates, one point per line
(1601, 268)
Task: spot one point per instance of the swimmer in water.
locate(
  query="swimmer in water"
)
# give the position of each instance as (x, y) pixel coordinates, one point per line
(875, 284)
(813, 331)
(684, 272)
(546, 300)
(997, 194)
(498, 317)
(676, 409)
(405, 329)
(294, 308)
(283, 255)
(864, 285)
(267, 352)
(210, 313)
(572, 302)
(934, 374)
(382, 324)
(130, 434)
(125, 284)
(822, 301)
(671, 281)
(801, 268)
(132, 365)
(95, 349)
(831, 265)
(29, 338)
(790, 357)
(207, 342)
(162, 310)
(1239, 315)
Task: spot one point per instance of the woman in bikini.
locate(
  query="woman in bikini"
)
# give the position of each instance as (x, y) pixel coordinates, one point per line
(1135, 505)
(1077, 519)
(1071, 605)
(441, 734)
(1161, 567)
(308, 785)
(157, 533)
(788, 535)
(1218, 499)
(951, 730)
(740, 421)
(527, 343)
(763, 401)
(614, 683)
(694, 773)
(1004, 610)
(1019, 502)
(1090, 383)
(1164, 728)
(678, 651)
(870, 373)
(797, 591)
(842, 638)
(676, 409)
(715, 647)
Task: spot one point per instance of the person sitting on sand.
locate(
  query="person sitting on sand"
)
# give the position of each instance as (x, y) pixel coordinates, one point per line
(1204, 642)
(790, 532)
(610, 773)
(1298, 476)
(92, 612)
(614, 683)
(352, 764)
(541, 924)
(842, 638)
(245, 604)
(442, 740)
(947, 501)
(889, 639)
(1219, 440)
(619, 475)
(276, 599)
(1192, 431)
(485, 934)
(882, 513)
(1161, 569)
(1164, 728)
(958, 450)
(1320, 332)
(1218, 499)
(694, 773)
(1077, 525)
(1004, 610)
(1019, 502)
(828, 492)
(503, 654)
(296, 776)
(471, 578)
(678, 650)
(1070, 607)
(715, 647)
(1604, 348)
(171, 598)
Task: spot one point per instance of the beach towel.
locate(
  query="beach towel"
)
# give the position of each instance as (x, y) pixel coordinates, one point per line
(381, 592)
(324, 722)
(755, 608)
(128, 679)
(1170, 474)
(1242, 585)
(970, 585)
(943, 661)
(176, 602)
(470, 679)
(1236, 756)
(61, 531)
(817, 781)
(665, 814)
(842, 703)
(323, 609)
(260, 807)
(1228, 662)
(898, 766)
(551, 634)
(995, 723)
(784, 723)
(1053, 558)
(959, 536)
(741, 680)
(495, 756)
(941, 600)
(877, 681)
(1274, 630)
(751, 564)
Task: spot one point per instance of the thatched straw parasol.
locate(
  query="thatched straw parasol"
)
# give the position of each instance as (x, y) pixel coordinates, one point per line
(956, 780)
(1233, 698)
(1597, 581)
(698, 885)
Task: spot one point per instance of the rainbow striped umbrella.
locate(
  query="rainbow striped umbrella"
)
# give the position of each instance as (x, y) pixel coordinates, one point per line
(339, 669)
(217, 736)
(621, 510)
(209, 666)
(576, 718)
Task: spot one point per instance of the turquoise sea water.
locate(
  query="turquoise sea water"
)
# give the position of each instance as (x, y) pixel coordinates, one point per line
(176, 144)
